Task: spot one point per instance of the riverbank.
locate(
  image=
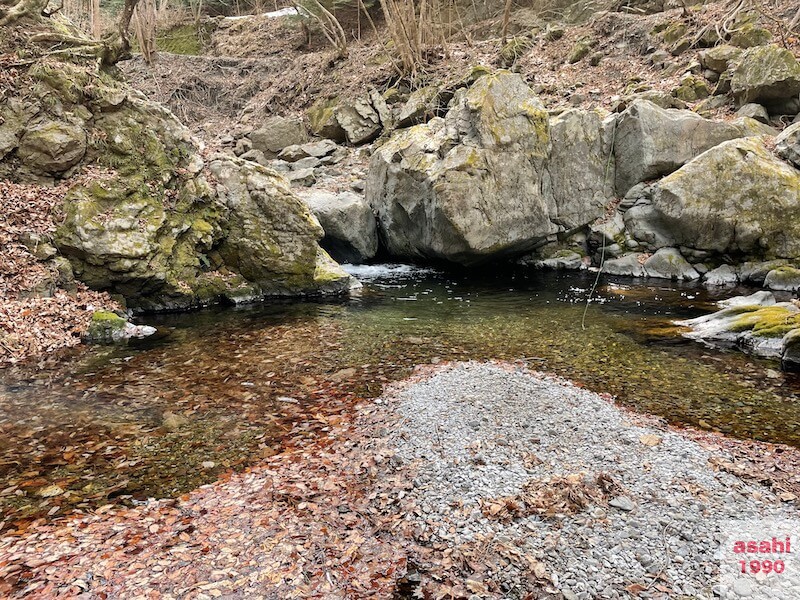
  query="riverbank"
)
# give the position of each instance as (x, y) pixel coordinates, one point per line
(454, 481)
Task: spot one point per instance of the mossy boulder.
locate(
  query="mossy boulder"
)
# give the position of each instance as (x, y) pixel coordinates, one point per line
(766, 73)
(736, 199)
(579, 51)
(783, 278)
(691, 89)
(355, 121)
(420, 106)
(514, 48)
(52, 147)
(756, 324)
(322, 119)
(652, 142)
(750, 35)
(467, 188)
(720, 58)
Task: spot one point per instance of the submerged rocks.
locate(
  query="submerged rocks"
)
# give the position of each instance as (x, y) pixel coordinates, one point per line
(766, 73)
(467, 188)
(735, 198)
(351, 233)
(651, 142)
(108, 327)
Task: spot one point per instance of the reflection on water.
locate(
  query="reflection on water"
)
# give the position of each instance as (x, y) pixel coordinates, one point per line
(218, 389)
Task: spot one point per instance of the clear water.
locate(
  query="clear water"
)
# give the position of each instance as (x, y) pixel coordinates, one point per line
(218, 389)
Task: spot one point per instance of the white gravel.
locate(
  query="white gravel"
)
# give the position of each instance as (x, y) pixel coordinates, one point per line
(468, 429)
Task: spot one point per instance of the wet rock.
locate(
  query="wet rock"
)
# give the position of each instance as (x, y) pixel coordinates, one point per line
(351, 233)
(277, 133)
(766, 73)
(52, 147)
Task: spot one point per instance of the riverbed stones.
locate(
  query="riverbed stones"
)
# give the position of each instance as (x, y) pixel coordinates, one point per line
(629, 265)
(52, 147)
(351, 233)
(651, 142)
(467, 188)
(766, 73)
(734, 198)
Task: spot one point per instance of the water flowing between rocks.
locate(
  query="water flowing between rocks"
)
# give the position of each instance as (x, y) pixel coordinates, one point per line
(218, 389)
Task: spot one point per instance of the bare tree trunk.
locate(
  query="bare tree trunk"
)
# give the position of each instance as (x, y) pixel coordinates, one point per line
(118, 44)
(97, 26)
(506, 16)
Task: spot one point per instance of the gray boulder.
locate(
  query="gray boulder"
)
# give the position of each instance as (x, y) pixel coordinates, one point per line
(359, 120)
(651, 142)
(277, 133)
(467, 188)
(720, 58)
(754, 111)
(668, 263)
(629, 265)
(721, 276)
(766, 73)
(787, 144)
(756, 272)
(52, 147)
(419, 107)
(351, 232)
(579, 137)
(783, 278)
(737, 198)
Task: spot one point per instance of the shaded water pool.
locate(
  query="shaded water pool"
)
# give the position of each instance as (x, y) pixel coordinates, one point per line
(218, 389)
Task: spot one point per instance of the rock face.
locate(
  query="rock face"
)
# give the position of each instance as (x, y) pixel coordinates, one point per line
(584, 136)
(467, 188)
(733, 199)
(351, 232)
(277, 133)
(652, 142)
(356, 121)
(153, 221)
(766, 73)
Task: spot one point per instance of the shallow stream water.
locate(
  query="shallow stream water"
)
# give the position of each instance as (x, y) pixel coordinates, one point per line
(218, 389)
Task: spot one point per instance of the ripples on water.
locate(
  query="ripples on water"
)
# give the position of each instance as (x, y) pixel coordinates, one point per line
(220, 388)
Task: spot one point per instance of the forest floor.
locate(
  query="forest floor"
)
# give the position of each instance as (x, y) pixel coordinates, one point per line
(255, 67)
(466, 480)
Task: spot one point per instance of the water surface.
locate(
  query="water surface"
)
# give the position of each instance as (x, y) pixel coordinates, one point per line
(218, 389)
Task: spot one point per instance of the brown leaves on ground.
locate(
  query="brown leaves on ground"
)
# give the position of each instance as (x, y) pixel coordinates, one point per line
(36, 316)
(552, 496)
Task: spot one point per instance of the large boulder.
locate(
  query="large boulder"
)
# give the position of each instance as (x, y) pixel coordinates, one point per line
(579, 137)
(467, 188)
(737, 199)
(766, 73)
(351, 232)
(651, 142)
(150, 218)
(277, 133)
(52, 147)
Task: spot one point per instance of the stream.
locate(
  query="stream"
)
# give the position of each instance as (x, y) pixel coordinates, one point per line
(218, 389)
